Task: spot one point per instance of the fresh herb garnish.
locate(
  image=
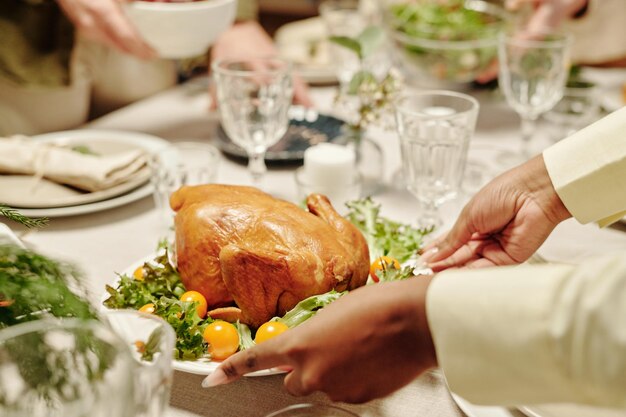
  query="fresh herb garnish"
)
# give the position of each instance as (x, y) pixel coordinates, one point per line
(385, 237)
(13, 214)
(159, 279)
(308, 307)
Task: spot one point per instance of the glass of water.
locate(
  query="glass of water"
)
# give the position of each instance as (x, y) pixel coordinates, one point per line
(434, 128)
(532, 75)
(254, 96)
(177, 165)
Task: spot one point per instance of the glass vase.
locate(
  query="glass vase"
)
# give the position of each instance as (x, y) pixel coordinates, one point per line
(370, 162)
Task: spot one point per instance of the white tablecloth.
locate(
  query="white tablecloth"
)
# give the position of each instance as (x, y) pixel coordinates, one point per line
(109, 241)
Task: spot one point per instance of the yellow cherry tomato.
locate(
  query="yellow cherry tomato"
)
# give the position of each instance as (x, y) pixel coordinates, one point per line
(381, 264)
(222, 338)
(148, 308)
(141, 346)
(138, 274)
(195, 296)
(269, 330)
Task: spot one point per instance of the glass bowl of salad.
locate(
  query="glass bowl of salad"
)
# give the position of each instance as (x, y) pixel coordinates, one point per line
(441, 43)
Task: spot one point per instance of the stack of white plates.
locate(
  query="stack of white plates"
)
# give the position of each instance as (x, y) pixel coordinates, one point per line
(42, 198)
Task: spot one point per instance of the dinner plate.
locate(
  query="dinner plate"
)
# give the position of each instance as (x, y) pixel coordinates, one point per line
(307, 127)
(198, 367)
(66, 201)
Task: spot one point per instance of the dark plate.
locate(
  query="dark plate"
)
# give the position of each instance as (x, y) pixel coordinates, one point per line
(306, 128)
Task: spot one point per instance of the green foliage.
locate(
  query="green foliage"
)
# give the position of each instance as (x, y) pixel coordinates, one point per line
(384, 236)
(160, 279)
(366, 43)
(187, 325)
(33, 286)
(13, 214)
(161, 286)
(308, 307)
(245, 336)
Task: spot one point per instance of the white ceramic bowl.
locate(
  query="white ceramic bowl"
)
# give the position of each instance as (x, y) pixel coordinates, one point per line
(182, 30)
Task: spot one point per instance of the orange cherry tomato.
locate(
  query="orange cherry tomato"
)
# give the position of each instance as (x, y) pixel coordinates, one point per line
(141, 346)
(222, 338)
(148, 308)
(381, 264)
(196, 297)
(138, 274)
(269, 330)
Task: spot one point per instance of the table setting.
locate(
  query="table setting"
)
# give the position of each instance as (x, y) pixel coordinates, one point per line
(161, 216)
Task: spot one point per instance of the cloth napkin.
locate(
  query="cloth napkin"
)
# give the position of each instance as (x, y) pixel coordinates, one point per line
(22, 155)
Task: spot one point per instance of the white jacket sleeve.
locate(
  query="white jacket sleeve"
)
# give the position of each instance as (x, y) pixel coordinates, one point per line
(551, 333)
(533, 334)
(588, 170)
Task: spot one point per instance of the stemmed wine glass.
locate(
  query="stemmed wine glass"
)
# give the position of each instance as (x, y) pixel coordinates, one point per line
(532, 74)
(434, 128)
(254, 96)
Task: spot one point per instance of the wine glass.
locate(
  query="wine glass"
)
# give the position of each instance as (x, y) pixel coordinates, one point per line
(254, 96)
(434, 128)
(532, 74)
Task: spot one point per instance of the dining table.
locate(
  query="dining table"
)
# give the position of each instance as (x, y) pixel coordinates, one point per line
(107, 242)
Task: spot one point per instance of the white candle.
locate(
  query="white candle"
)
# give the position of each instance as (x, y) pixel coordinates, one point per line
(329, 165)
(438, 111)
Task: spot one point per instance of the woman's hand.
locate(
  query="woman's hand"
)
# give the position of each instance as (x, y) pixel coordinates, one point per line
(365, 345)
(505, 222)
(104, 21)
(248, 39)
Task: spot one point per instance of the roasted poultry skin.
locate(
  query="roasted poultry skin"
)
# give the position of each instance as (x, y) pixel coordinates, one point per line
(237, 244)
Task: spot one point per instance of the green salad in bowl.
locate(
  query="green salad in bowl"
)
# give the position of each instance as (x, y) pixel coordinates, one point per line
(444, 42)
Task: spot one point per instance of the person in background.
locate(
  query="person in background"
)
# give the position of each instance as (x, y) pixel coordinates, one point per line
(44, 61)
(503, 335)
(598, 28)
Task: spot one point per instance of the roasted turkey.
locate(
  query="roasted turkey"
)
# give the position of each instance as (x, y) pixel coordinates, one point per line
(239, 245)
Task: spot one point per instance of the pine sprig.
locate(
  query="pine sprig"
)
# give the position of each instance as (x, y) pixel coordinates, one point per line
(13, 214)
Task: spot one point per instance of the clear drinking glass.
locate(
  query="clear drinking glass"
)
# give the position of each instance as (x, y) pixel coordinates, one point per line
(532, 75)
(434, 128)
(65, 368)
(151, 341)
(312, 410)
(182, 163)
(254, 96)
